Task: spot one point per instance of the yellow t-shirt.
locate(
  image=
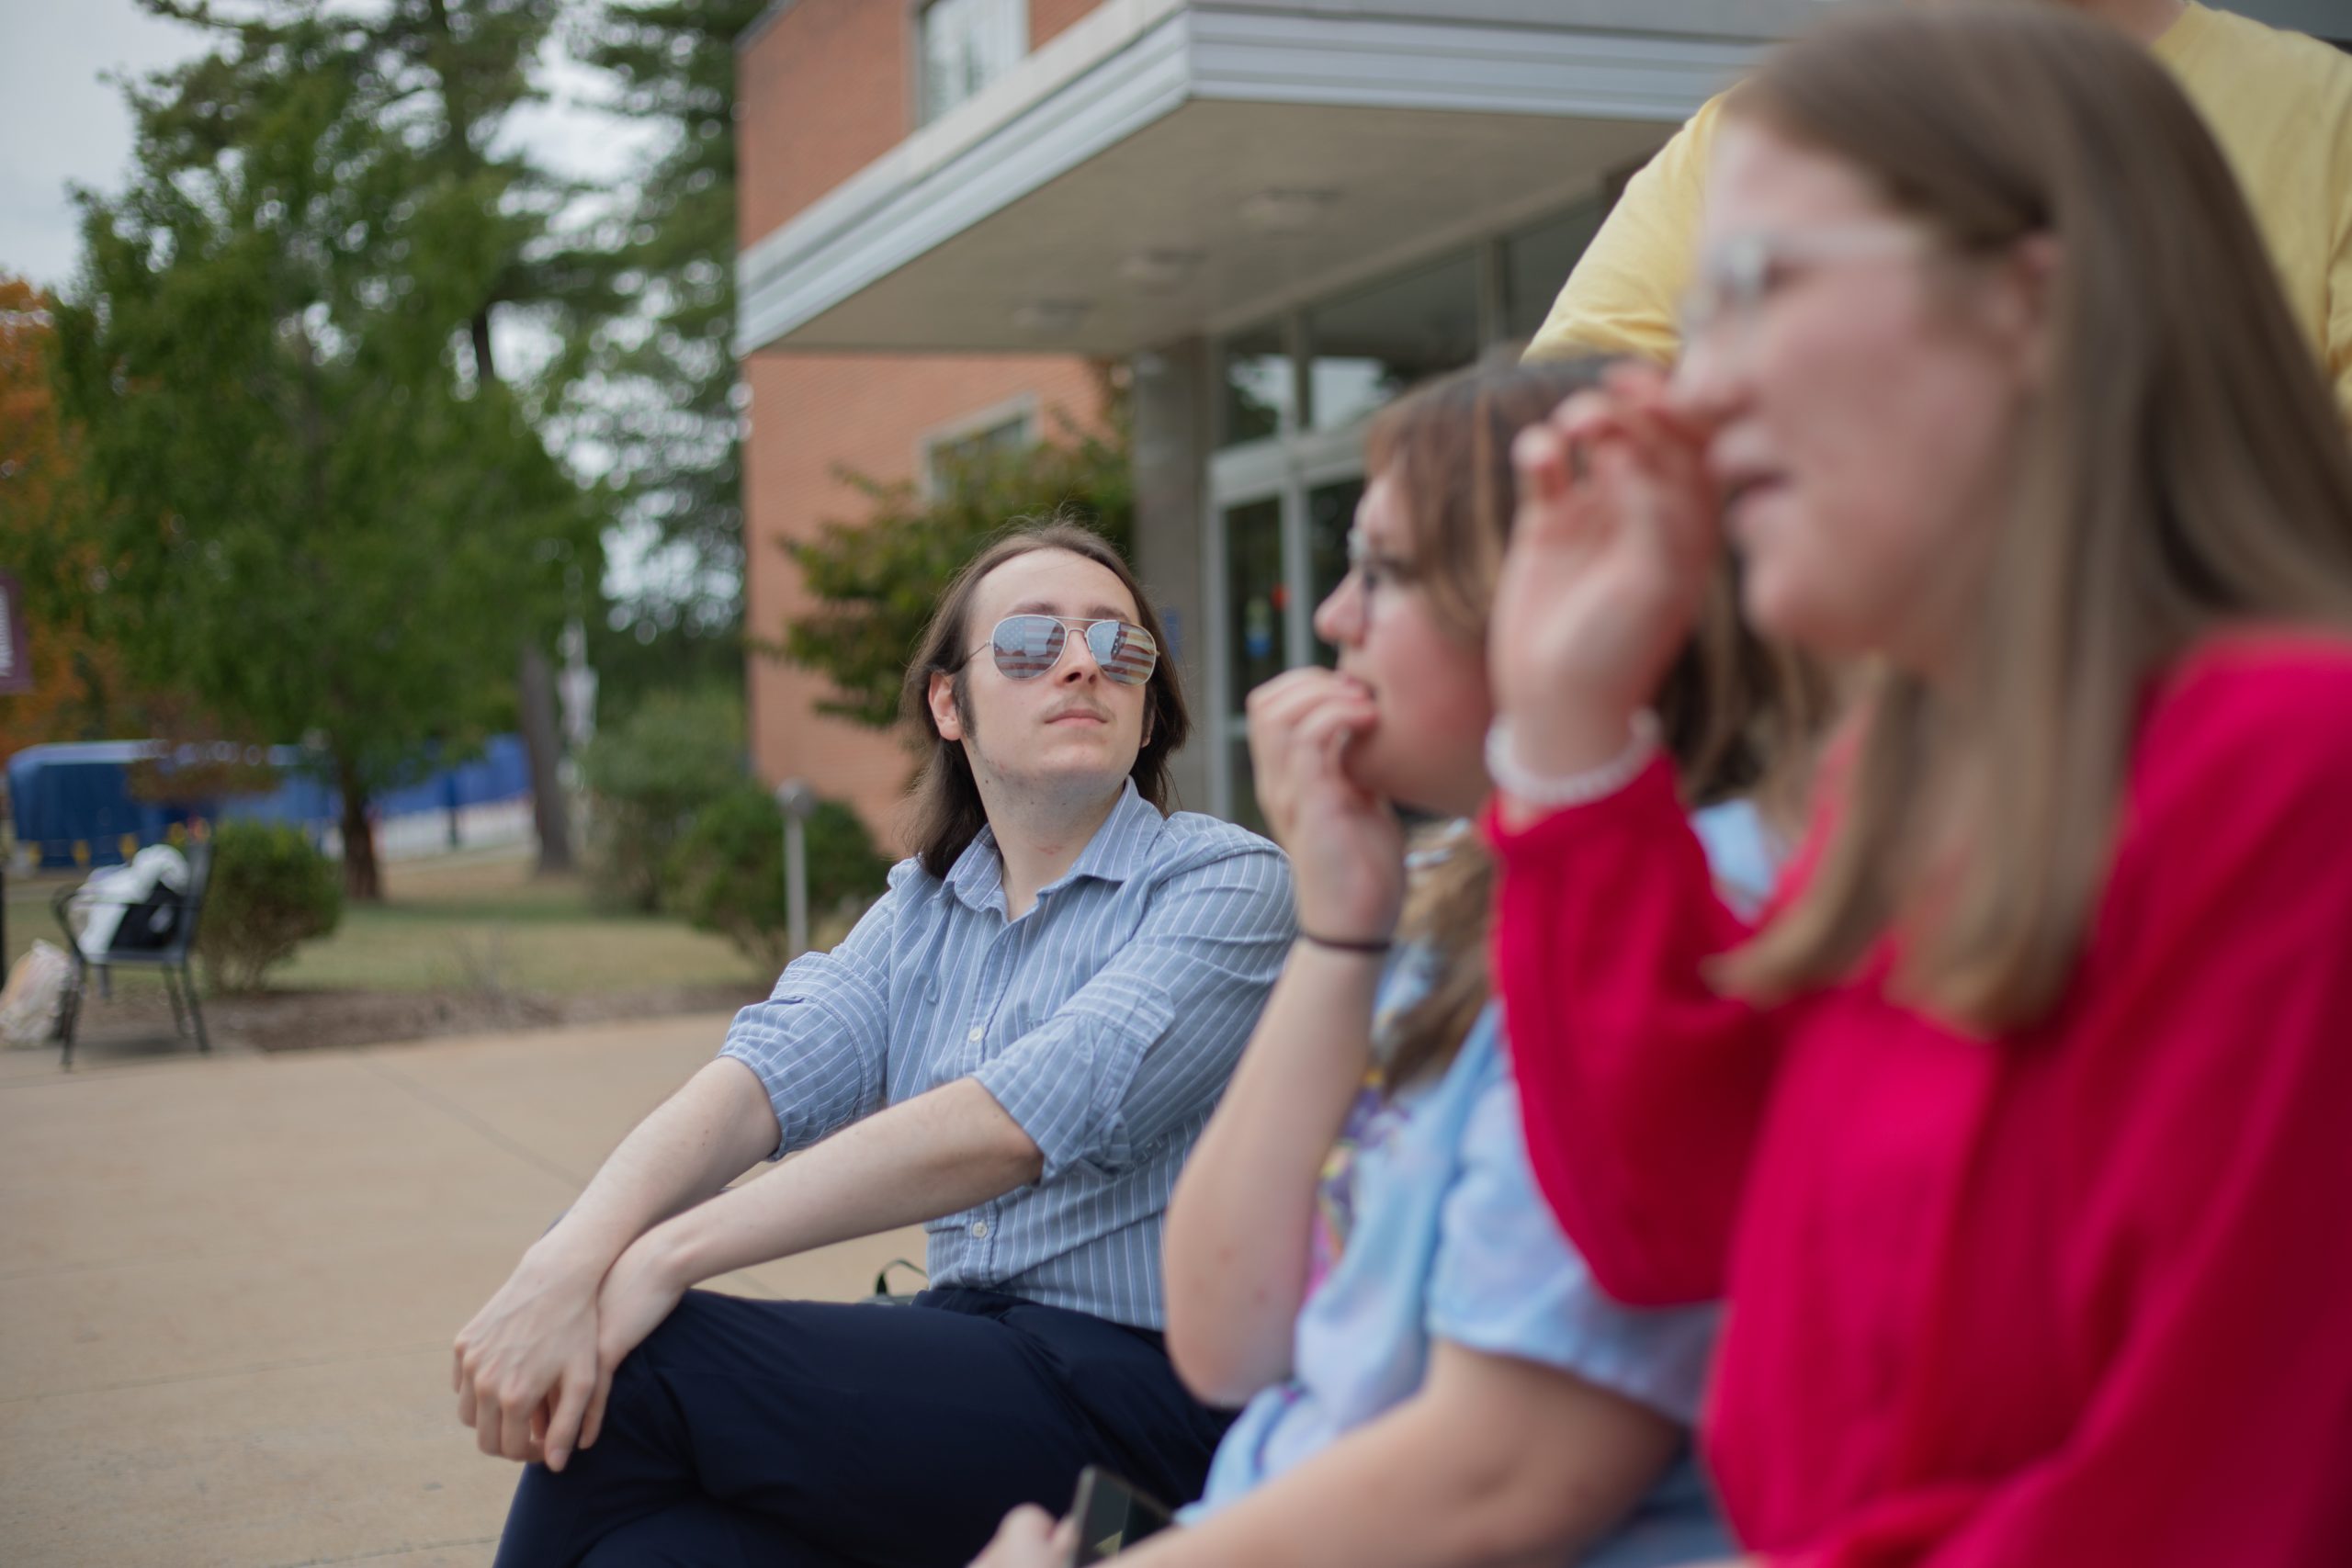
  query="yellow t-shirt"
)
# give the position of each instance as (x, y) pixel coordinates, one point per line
(2279, 103)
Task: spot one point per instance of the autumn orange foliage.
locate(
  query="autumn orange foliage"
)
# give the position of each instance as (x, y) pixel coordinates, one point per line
(73, 673)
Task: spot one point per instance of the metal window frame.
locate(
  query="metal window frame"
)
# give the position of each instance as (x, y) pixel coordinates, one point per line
(1022, 407)
(919, 113)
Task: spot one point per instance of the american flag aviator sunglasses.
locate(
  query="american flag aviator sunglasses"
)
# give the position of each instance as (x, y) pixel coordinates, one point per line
(1026, 647)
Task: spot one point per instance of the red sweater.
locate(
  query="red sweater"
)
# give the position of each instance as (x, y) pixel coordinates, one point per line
(2078, 1297)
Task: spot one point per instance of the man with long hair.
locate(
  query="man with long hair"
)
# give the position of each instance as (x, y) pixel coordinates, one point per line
(1016, 1046)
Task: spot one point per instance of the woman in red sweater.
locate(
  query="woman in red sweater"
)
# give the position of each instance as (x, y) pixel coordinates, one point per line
(2019, 1134)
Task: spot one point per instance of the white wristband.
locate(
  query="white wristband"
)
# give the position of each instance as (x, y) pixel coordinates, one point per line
(1550, 791)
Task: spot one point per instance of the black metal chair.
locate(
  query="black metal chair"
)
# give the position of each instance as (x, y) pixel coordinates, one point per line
(173, 958)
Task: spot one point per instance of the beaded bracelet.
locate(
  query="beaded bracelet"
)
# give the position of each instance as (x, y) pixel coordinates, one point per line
(1553, 790)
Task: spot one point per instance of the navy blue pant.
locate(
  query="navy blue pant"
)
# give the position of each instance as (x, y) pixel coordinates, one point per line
(793, 1434)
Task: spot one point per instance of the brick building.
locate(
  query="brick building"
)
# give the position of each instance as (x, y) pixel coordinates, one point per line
(827, 88)
(1276, 213)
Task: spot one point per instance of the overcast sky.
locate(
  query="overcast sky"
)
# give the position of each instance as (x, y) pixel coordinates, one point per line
(60, 124)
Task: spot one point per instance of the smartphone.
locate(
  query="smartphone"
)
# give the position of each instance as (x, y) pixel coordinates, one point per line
(1112, 1516)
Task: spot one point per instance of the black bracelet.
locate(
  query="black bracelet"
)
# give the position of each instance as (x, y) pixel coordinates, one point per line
(1337, 945)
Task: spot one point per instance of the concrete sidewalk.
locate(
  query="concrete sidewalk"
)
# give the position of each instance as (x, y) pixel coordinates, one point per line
(228, 1285)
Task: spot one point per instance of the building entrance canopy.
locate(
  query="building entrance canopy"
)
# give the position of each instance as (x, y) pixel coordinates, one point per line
(1162, 169)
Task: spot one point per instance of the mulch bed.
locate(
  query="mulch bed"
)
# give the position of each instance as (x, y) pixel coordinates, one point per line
(295, 1020)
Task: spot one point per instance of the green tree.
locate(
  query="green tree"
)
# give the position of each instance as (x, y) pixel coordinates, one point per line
(662, 394)
(639, 659)
(648, 776)
(875, 582)
(316, 507)
(446, 76)
(441, 77)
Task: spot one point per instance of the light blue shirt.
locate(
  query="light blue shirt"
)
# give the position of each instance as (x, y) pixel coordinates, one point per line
(1106, 1021)
(1429, 1226)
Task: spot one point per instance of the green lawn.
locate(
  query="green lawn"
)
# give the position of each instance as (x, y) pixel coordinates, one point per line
(476, 922)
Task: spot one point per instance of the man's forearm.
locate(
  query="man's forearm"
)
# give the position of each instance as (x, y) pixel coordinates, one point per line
(930, 1155)
(532, 1350)
(702, 1137)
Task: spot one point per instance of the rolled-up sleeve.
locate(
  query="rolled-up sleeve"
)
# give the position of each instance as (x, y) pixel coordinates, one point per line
(1147, 1045)
(819, 1041)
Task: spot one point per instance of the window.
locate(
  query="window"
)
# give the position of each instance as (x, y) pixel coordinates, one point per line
(1256, 603)
(973, 447)
(964, 46)
(1330, 514)
(1370, 346)
(1255, 373)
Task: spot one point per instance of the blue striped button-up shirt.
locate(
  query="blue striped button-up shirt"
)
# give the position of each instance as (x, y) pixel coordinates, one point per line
(1105, 1021)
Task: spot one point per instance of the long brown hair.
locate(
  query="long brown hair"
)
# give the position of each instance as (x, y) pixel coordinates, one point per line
(944, 813)
(1729, 706)
(2181, 469)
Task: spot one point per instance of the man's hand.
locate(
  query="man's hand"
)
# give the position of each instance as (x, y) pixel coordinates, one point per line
(526, 1366)
(1030, 1539)
(643, 1288)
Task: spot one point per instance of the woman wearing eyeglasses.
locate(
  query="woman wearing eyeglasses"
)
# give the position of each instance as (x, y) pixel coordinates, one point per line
(2015, 1135)
(1356, 1251)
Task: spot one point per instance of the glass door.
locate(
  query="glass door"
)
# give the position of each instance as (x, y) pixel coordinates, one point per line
(1279, 515)
(1330, 513)
(1257, 600)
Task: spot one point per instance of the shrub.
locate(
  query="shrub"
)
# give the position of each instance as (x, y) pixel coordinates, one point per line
(726, 871)
(675, 753)
(270, 890)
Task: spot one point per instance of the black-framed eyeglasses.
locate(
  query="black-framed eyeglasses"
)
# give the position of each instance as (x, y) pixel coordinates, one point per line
(1026, 646)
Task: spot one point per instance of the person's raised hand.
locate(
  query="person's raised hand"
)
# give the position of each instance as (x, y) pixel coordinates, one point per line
(1346, 846)
(1615, 538)
(528, 1354)
(1029, 1537)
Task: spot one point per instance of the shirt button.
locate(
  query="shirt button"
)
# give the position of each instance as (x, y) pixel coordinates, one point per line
(975, 1036)
(981, 1230)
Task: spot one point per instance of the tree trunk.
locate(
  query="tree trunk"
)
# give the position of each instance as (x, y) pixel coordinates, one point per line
(550, 810)
(535, 695)
(479, 329)
(534, 683)
(361, 878)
